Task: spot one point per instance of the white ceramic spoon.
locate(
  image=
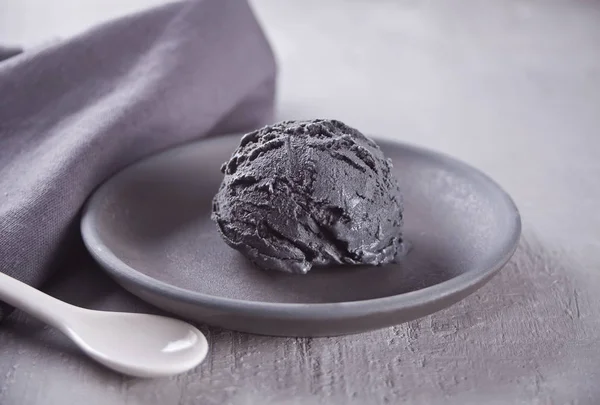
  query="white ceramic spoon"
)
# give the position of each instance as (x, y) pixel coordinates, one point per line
(139, 345)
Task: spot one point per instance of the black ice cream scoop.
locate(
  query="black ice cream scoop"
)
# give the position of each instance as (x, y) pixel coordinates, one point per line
(300, 194)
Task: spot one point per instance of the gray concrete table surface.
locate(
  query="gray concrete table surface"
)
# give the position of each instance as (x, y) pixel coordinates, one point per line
(511, 87)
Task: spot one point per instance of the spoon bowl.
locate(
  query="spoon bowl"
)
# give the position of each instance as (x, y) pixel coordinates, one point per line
(141, 345)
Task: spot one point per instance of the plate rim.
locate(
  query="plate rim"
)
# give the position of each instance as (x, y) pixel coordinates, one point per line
(119, 270)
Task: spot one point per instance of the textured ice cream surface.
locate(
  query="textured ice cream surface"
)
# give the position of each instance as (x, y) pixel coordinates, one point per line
(299, 194)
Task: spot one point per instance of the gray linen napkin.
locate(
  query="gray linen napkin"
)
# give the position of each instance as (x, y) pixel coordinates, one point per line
(77, 111)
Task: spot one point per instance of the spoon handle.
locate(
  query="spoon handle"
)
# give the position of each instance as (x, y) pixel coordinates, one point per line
(34, 302)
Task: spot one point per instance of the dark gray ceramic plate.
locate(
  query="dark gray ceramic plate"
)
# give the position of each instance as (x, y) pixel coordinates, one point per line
(150, 228)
